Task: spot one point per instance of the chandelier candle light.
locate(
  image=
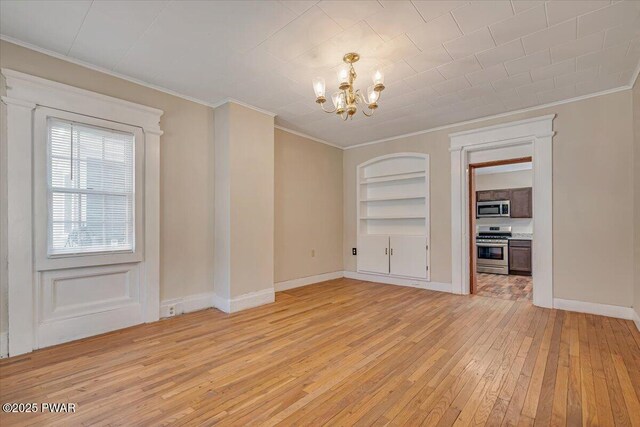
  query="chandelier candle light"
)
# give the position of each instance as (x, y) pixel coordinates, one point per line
(346, 100)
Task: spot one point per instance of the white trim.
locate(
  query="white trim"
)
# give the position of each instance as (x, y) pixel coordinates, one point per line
(390, 280)
(245, 301)
(537, 133)
(495, 116)
(23, 93)
(253, 299)
(309, 280)
(187, 304)
(460, 143)
(222, 304)
(19, 255)
(636, 319)
(616, 311)
(304, 135)
(127, 78)
(100, 69)
(4, 344)
(244, 104)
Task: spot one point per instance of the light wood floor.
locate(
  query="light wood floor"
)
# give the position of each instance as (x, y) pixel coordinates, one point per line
(342, 353)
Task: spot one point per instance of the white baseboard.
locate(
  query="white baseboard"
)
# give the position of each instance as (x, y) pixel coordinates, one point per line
(187, 304)
(414, 283)
(209, 299)
(243, 302)
(616, 311)
(636, 319)
(4, 344)
(253, 299)
(222, 304)
(304, 281)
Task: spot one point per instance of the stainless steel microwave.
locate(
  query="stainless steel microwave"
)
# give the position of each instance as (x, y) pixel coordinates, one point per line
(493, 209)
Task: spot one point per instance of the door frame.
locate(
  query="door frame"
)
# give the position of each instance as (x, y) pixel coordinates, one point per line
(472, 203)
(535, 134)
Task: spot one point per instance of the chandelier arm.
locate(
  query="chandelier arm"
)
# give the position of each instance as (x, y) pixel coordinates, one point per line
(368, 115)
(327, 111)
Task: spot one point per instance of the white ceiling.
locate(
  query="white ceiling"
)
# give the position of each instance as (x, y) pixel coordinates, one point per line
(444, 61)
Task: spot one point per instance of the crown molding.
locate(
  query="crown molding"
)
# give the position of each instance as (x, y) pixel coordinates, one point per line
(495, 116)
(127, 78)
(378, 141)
(243, 104)
(304, 135)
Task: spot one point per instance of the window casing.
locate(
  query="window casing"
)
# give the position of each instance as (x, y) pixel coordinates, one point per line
(88, 191)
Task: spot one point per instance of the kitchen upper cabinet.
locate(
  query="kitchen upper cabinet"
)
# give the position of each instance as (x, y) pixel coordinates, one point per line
(521, 202)
(501, 194)
(520, 257)
(484, 196)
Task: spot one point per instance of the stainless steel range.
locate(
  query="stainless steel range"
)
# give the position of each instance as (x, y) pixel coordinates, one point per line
(492, 249)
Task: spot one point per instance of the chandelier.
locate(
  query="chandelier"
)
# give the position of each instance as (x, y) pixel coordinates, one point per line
(347, 98)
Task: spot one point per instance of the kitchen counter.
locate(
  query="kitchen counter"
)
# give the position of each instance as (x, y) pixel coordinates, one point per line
(521, 236)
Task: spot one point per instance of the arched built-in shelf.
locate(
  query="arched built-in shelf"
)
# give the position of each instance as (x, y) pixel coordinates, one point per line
(393, 216)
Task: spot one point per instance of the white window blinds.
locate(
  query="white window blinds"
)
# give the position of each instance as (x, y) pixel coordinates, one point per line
(91, 189)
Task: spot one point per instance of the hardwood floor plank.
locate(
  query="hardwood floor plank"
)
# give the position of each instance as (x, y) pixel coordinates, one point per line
(343, 352)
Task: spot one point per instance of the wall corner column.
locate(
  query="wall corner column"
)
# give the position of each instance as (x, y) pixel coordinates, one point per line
(243, 207)
(19, 140)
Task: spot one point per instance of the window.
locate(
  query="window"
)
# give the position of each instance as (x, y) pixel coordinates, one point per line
(91, 172)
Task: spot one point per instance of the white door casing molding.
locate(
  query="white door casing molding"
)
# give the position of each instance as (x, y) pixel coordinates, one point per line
(24, 93)
(537, 133)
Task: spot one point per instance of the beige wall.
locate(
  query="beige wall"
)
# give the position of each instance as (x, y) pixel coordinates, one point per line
(186, 234)
(308, 207)
(244, 200)
(636, 198)
(593, 167)
(496, 181)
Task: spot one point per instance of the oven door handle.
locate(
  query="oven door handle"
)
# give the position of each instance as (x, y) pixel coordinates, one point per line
(492, 245)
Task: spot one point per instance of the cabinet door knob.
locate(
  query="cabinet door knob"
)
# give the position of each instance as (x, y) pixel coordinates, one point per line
(386, 251)
(391, 251)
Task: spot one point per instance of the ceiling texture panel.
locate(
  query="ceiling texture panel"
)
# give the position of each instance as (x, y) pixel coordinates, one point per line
(444, 61)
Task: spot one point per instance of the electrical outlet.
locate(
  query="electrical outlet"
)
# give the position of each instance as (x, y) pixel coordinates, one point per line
(313, 253)
(172, 310)
(354, 251)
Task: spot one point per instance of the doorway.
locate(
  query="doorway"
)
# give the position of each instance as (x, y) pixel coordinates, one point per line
(529, 137)
(501, 228)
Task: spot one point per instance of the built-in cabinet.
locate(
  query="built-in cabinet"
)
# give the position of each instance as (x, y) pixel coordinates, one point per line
(393, 216)
(520, 257)
(521, 200)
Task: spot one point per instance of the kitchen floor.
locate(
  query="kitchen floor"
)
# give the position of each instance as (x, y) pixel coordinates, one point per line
(509, 287)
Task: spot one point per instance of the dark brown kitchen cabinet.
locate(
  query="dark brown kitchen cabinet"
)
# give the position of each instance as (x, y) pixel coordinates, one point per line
(501, 194)
(521, 202)
(492, 195)
(520, 257)
(484, 196)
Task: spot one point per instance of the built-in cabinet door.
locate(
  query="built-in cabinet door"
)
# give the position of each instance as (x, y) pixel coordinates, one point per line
(408, 256)
(373, 254)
